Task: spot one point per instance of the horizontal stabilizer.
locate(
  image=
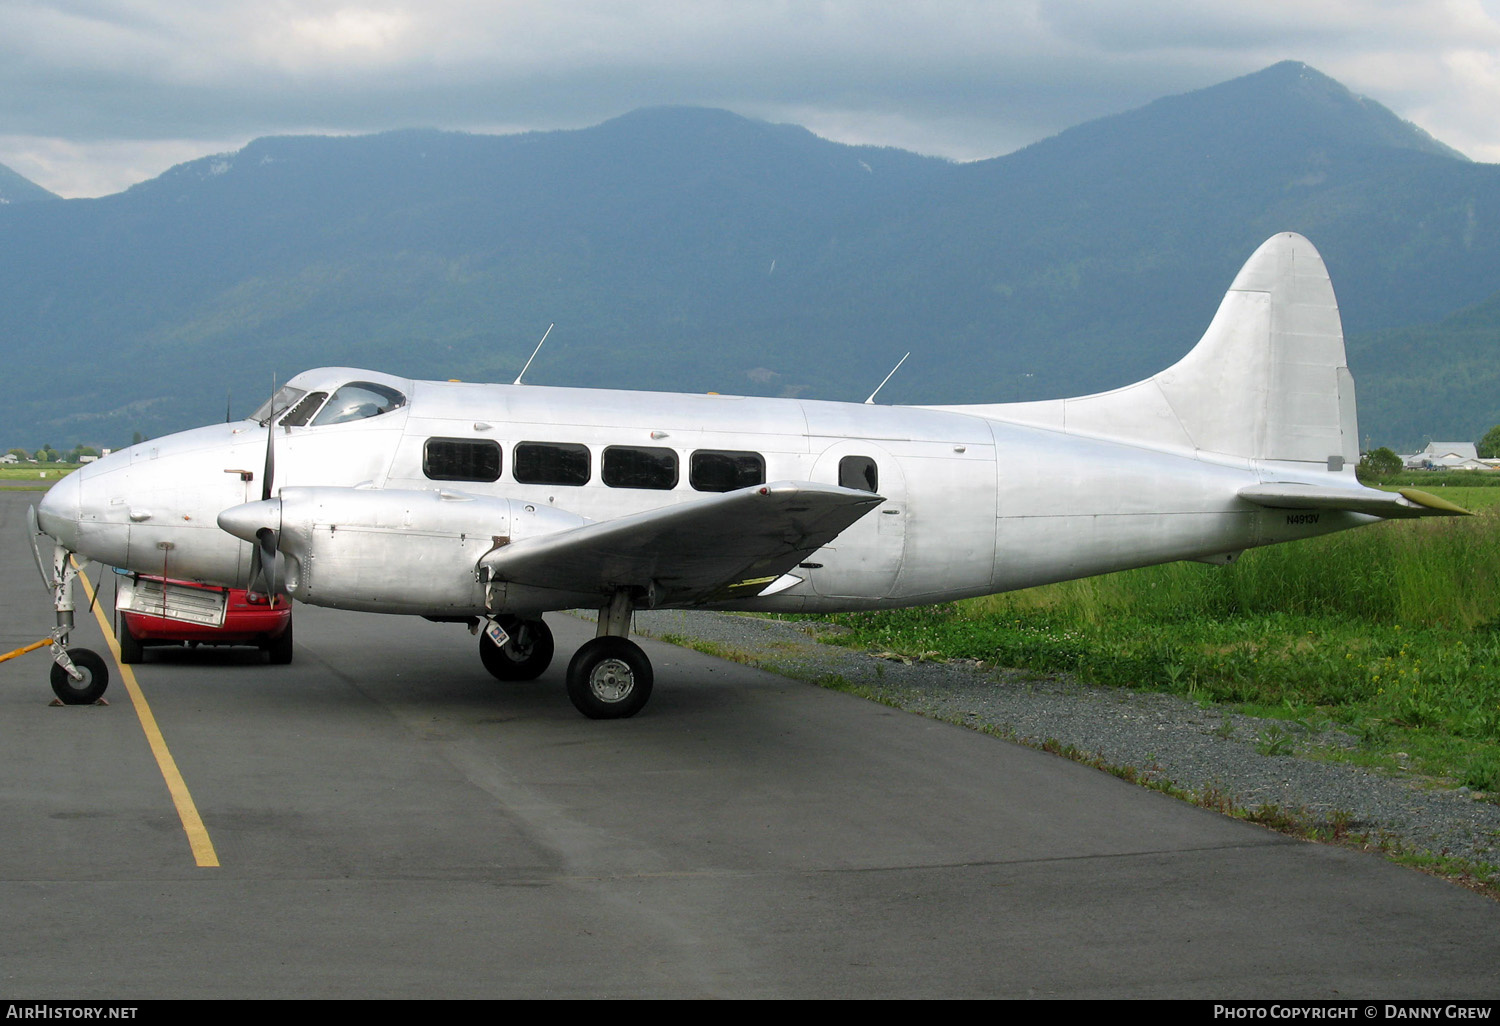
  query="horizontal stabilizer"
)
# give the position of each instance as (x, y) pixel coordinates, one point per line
(720, 546)
(1408, 502)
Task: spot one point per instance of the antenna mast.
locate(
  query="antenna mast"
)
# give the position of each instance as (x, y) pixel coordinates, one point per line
(871, 401)
(538, 349)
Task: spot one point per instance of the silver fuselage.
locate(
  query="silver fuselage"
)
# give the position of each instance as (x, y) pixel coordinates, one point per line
(973, 504)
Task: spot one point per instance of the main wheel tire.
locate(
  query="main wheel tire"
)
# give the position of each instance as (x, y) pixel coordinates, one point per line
(525, 656)
(279, 649)
(131, 650)
(609, 679)
(81, 692)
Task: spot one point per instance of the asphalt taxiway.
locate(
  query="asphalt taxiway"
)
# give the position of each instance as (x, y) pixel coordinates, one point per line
(385, 820)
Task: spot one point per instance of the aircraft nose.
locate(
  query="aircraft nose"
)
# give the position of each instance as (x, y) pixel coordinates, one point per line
(59, 511)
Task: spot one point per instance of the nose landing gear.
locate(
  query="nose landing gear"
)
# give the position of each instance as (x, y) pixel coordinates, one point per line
(79, 675)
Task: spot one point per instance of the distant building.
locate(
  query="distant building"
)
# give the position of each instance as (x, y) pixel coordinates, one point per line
(1447, 456)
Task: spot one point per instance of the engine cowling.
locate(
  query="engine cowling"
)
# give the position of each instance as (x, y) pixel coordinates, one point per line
(391, 550)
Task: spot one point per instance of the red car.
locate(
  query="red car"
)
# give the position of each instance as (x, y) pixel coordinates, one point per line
(248, 620)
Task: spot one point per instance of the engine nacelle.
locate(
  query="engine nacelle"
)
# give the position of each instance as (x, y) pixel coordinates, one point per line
(400, 551)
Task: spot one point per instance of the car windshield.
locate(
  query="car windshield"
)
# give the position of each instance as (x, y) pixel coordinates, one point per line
(358, 400)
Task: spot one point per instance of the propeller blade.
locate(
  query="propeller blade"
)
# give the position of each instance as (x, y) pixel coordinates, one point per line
(269, 470)
(265, 550)
(259, 523)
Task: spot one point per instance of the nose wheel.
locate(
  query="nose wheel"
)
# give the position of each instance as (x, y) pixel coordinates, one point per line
(92, 682)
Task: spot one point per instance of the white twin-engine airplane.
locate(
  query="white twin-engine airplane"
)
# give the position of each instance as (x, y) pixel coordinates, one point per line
(491, 504)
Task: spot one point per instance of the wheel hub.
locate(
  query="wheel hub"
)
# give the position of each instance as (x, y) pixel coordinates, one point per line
(612, 680)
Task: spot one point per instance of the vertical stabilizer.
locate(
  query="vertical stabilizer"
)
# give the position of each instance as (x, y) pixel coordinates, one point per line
(1268, 380)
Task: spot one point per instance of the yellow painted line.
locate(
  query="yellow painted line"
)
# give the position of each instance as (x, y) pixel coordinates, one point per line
(192, 823)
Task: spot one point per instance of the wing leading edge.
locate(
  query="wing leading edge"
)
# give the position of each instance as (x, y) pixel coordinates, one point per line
(721, 546)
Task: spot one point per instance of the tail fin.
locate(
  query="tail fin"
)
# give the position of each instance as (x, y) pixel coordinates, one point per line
(1268, 380)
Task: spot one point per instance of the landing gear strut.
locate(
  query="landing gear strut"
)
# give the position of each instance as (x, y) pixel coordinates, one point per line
(79, 676)
(610, 677)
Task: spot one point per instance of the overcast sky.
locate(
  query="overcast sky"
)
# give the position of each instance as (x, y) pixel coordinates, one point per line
(96, 95)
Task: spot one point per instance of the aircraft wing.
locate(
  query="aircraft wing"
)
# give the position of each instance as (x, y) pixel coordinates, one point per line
(717, 547)
(1408, 502)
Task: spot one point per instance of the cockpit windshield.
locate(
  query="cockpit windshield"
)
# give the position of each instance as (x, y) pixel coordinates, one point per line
(285, 396)
(358, 400)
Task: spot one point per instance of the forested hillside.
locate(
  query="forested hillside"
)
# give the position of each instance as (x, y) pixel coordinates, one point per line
(695, 249)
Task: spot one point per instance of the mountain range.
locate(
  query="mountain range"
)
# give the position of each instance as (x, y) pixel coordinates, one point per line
(16, 189)
(694, 249)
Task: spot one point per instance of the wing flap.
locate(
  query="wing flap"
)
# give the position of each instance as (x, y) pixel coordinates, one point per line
(1408, 502)
(720, 546)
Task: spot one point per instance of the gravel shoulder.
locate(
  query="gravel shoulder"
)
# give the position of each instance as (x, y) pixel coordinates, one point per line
(1195, 748)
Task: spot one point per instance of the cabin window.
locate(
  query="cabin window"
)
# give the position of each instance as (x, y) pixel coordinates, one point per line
(461, 459)
(626, 466)
(303, 411)
(719, 470)
(859, 472)
(358, 400)
(554, 463)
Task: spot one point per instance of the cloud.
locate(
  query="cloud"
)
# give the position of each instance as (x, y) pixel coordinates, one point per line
(128, 82)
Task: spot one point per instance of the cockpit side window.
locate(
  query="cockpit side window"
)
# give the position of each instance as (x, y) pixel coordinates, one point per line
(358, 400)
(303, 411)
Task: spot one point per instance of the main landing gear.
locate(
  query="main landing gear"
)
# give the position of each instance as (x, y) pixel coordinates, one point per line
(609, 677)
(526, 653)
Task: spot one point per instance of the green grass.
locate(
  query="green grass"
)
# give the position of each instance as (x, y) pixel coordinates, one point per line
(1433, 480)
(41, 473)
(34, 477)
(1391, 632)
